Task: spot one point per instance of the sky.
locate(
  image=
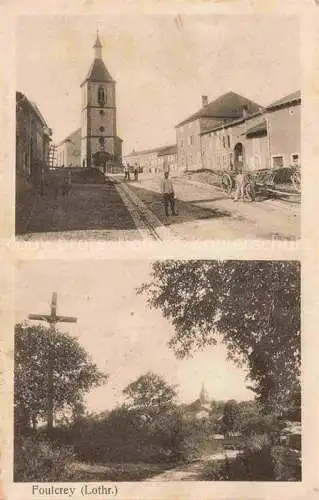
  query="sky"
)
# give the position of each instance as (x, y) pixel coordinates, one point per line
(122, 335)
(162, 65)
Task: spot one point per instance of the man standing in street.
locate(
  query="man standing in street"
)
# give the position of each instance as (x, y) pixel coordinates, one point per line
(239, 180)
(167, 191)
(126, 172)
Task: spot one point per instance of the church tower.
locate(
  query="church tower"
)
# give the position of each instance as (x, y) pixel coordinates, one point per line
(99, 141)
(203, 396)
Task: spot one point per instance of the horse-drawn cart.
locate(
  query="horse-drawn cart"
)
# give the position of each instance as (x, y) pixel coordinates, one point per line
(260, 182)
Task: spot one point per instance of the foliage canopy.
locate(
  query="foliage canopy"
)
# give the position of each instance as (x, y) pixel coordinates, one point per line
(74, 373)
(253, 307)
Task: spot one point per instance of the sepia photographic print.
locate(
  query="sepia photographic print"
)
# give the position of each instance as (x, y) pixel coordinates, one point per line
(158, 127)
(158, 299)
(159, 371)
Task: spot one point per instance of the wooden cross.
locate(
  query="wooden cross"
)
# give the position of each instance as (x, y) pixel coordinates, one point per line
(52, 319)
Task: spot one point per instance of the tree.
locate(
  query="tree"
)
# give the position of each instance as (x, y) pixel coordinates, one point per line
(231, 416)
(74, 373)
(253, 307)
(150, 396)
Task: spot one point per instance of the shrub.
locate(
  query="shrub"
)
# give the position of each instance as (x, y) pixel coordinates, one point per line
(287, 463)
(41, 460)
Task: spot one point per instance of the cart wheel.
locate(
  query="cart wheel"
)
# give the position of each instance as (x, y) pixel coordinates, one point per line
(227, 183)
(250, 193)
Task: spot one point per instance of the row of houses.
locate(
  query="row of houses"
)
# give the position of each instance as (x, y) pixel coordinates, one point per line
(33, 138)
(228, 132)
(153, 161)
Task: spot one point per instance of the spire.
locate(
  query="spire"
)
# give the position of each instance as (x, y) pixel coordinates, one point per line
(98, 46)
(203, 397)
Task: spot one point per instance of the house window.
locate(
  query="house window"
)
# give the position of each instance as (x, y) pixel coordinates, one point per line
(278, 161)
(295, 159)
(228, 140)
(102, 129)
(224, 142)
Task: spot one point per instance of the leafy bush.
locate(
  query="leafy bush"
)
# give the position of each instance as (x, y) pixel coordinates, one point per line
(41, 460)
(287, 463)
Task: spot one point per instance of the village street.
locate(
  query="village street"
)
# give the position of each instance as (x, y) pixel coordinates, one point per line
(134, 211)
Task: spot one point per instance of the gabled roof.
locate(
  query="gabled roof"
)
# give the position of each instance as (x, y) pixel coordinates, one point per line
(143, 152)
(98, 72)
(226, 107)
(158, 150)
(169, 150)
(38, 113)
(230, 123)
(21, 98)
(71, 137)
(293, 97)
(259, 128)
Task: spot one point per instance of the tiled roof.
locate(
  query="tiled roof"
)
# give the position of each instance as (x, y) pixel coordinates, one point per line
(98, 72)
(230, 123)
(146, 151)
(71, 136)
(257, 129)
(142, 152)
(169, 150)
(21, 98)
(228, 106)
(38, 113)
(288, 99)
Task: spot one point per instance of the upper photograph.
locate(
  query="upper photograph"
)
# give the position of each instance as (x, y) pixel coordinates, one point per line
(158, 128)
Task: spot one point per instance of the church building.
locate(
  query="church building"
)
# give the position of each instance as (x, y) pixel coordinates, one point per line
(99, 141)
(95, 143)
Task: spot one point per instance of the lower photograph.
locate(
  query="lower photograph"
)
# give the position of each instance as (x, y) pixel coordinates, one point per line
(166, 370)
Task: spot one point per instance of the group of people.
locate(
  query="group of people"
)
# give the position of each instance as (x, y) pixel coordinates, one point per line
(127, 170)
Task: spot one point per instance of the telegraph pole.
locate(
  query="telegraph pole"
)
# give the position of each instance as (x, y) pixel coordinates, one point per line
(52, 319)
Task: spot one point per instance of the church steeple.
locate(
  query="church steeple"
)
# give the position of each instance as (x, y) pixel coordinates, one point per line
(98, 47)
(203, 396)
(98, 131)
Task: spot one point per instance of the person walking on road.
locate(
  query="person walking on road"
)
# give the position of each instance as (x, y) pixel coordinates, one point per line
(126, 172)
(136, 173)
(168, 194)
(67, 185)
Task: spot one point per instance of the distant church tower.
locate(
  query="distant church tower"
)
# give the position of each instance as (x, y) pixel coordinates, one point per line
(203, 396)
(98, 115)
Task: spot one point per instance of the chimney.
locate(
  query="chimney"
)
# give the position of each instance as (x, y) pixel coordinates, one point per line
(245, 111)
(204, 100)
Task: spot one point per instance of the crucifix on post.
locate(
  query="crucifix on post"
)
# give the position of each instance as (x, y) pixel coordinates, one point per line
(52, 319)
